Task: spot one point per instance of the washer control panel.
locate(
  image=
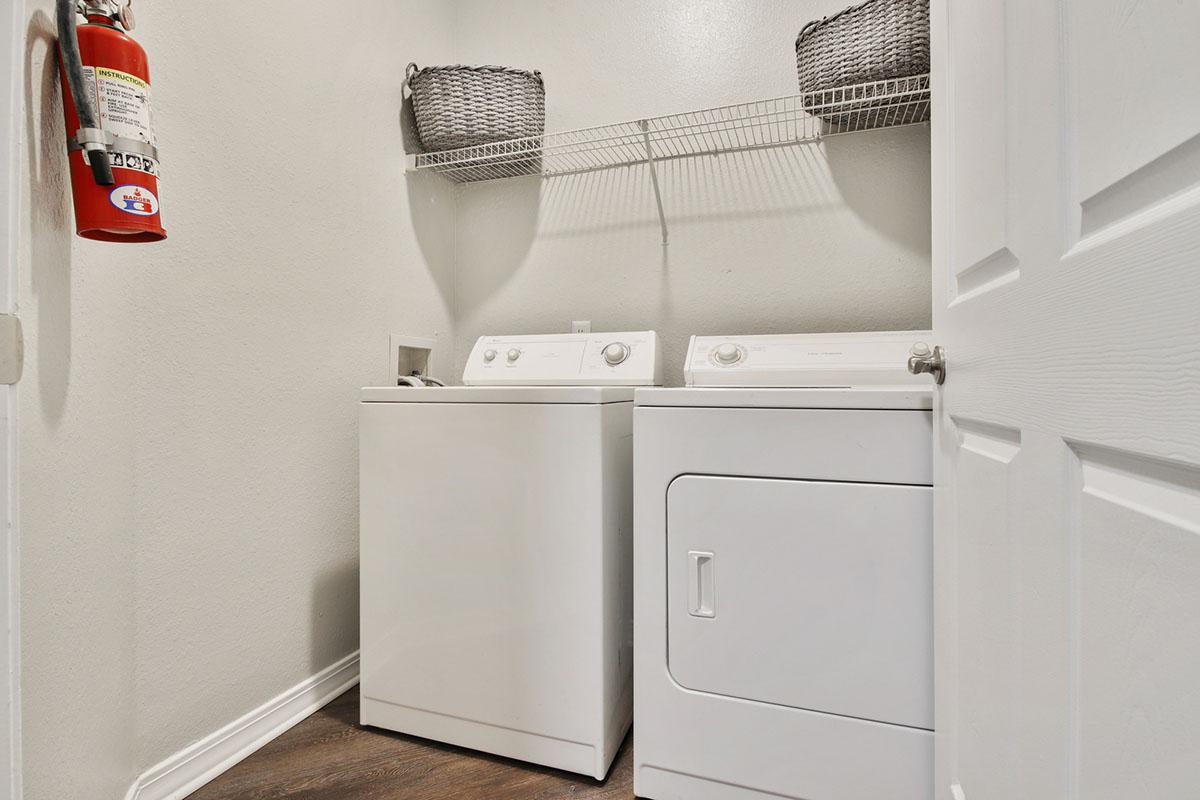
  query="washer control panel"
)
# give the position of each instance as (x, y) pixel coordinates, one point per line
(801, 360)
(626, 358)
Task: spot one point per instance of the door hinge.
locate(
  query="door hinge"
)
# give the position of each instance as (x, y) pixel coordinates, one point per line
(12, 349)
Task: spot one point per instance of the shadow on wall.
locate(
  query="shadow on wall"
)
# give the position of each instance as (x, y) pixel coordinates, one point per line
(511, 214)
(50, 218)
(774, 183)
(431, 210)
(856, 161)
(334, 602)
(826, 236)
(516, 219)
(750, 185)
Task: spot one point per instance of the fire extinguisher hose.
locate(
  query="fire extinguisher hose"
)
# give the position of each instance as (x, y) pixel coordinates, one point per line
(68, 44)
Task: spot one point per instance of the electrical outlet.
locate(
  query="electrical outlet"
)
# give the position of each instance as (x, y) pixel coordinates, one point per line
(581, 326)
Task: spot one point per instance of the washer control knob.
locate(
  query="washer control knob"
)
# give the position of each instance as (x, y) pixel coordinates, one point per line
(489, 356)
(615, 353)
(728, 354)
(513, 355)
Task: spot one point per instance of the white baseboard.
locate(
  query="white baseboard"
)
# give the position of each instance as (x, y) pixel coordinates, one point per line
(184, 772)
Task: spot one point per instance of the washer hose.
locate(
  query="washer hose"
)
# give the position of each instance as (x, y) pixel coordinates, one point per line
(72, 64)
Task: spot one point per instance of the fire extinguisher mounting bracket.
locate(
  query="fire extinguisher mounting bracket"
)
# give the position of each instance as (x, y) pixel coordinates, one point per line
(119, 144)
(94, 139)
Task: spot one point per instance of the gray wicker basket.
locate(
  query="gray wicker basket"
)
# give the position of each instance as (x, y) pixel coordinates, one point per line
(876, 40)
(460, 106)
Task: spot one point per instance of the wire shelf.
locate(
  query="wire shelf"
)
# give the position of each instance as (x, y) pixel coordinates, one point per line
(794, 119)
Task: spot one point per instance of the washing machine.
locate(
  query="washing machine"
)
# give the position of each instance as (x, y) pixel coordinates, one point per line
(495, 549)
(783, 573)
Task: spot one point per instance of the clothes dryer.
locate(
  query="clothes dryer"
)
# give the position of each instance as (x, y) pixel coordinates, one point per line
(783, 573)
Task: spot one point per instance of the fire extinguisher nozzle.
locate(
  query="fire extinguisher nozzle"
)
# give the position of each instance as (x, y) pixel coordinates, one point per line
(101, 169)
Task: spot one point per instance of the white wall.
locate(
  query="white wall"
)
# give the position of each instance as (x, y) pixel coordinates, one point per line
(187, 456)
(188, 430)
(75, 468)
(828, 238)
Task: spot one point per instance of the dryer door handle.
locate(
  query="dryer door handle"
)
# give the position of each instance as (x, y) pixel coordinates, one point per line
(702, 590)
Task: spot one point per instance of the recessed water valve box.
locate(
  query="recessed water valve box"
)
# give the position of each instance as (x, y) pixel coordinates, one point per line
(408, 355)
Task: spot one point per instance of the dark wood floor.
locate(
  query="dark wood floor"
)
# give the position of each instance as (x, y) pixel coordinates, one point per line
(329, 755)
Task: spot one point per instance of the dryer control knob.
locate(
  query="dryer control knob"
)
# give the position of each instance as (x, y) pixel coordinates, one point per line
(728, 354)
(489, 356)
(513, 355)
(615, 353)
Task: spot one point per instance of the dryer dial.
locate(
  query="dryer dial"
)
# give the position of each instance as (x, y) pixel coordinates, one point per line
(727, 354)
(616, 353)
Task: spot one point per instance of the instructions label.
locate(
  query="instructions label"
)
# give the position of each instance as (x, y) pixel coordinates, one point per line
(123, 105)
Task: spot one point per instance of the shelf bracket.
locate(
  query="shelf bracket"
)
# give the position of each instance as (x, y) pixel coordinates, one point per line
(662, 218)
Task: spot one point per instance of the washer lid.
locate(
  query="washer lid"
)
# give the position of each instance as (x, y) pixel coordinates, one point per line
(804, 360)
(498, 394)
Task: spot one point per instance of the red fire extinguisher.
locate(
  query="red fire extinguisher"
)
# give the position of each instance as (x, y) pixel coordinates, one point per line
(110, 134)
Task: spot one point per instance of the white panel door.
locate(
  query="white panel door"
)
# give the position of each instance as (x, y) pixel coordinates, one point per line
(1066, 145)
(12, 29)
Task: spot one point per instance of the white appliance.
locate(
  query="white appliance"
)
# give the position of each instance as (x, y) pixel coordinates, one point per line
(783, 580)
(495, 537)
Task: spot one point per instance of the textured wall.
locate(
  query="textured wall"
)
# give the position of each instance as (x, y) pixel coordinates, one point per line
(828, 238)
(187, 419)
(188, 480)
(77, 425)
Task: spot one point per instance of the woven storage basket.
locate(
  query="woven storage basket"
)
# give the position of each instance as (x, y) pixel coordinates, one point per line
(877, 40)
(459, 106)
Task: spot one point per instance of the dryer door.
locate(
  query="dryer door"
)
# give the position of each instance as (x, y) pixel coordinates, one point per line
(809, 594)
